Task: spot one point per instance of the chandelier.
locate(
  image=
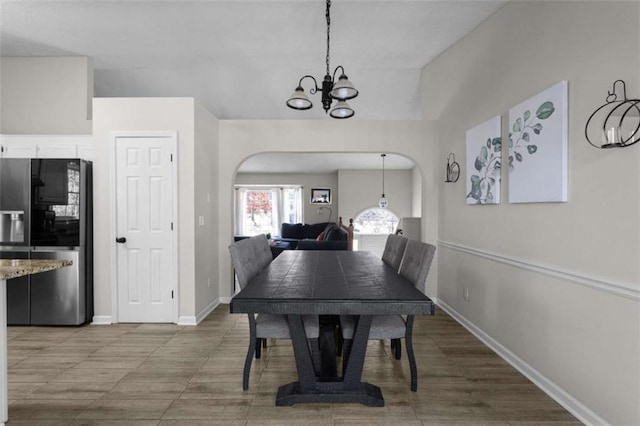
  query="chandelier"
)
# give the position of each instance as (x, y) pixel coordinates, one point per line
(382, 202)
(331, 90)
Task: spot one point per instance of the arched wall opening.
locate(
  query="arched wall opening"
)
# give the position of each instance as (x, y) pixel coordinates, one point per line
(241, 140)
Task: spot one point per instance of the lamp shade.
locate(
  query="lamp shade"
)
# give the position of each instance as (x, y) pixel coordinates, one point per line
(382, 202)
(343, 89)
(341, 110)
(299, 100)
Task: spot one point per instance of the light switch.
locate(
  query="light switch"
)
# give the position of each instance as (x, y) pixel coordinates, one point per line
(201, 220)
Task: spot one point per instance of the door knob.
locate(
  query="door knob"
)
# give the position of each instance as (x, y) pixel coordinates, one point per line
(121, 240)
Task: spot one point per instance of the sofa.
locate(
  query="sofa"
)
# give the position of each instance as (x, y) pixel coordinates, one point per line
(316, 236)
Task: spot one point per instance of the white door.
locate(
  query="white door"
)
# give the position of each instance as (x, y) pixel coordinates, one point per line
(146, 259)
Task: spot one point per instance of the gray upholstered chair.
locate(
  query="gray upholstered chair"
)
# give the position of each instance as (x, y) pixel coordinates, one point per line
(394, 250)
(250, 256)
(415, 266)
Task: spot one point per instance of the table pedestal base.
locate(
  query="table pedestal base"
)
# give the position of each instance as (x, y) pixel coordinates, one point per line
(329, 392)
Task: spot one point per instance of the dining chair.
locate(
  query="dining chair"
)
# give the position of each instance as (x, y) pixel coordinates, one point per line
(394, 250)
(250, 256)
(415, 265)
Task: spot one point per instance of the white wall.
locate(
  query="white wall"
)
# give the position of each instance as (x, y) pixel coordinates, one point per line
(416, 188)
(205, 196)
(308, 181)
(361, 189)
(555, 287)
(240, 139)
(145, 114)
(46, 95)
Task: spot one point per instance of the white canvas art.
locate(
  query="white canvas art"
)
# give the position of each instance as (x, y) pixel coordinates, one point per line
(484, 162)
(538, 147)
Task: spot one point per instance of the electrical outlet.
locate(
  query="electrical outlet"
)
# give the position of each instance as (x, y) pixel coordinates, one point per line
(465, 293)
(201, 220)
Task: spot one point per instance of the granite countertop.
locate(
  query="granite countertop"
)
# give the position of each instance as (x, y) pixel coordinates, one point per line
(18, 267)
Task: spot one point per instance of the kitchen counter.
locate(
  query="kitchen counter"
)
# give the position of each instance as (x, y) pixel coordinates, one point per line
(17, 268)
(13, 269)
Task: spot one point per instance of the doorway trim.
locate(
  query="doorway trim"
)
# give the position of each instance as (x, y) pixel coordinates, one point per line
(172, 136)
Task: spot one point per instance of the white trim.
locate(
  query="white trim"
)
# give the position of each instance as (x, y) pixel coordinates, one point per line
(101, 320)
(173, 138)
(225, 300)
(571, 404)
(621, 289)
(187, 320)
(191, 320)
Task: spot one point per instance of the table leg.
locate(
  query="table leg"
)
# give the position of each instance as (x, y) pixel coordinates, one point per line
(347, 389)
(304, 363)
(355, 362)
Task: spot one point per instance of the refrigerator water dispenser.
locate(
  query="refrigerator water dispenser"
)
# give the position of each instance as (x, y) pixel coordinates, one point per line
(11, 226)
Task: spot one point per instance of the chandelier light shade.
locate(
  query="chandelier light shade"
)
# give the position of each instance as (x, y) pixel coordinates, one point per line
(299, 100)
(382, 202)
(340, 90)
(341, 110)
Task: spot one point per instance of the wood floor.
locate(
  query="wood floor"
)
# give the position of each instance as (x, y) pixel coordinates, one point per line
(146, 374)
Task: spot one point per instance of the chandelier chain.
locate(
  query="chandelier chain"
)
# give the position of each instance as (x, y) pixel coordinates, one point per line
(328, 15)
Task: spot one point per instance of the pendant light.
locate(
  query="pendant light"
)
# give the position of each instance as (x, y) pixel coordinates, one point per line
(339, 90)
(382, 202)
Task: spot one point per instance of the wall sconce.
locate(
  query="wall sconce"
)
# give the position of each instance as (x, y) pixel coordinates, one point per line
(621, 124)
(453, 169)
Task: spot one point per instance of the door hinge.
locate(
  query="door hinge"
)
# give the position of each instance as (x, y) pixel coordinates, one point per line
(172, 294)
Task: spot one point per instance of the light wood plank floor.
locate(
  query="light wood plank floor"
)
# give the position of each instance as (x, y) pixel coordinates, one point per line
(161, 374)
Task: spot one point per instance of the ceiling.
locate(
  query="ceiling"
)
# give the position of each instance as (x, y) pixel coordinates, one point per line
(322, 162)
(243, 58)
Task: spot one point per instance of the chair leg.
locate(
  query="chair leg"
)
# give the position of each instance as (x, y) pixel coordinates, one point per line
(410, 355)
(250, 353)
(264, 343)
(258, 348)
(346, 351)
(397, 347)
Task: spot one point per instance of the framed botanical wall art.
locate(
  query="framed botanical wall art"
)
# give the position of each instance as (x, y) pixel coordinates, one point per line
(484, 162)
(538, 147)
(320, 196)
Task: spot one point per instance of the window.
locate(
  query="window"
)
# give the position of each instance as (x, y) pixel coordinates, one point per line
(72, 208)
(376, 221)
(261, 209)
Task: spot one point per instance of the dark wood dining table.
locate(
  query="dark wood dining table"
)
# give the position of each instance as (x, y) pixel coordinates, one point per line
(302, 282)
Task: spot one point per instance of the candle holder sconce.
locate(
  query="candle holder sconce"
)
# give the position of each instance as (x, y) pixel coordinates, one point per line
(453, 169)
(620, 118)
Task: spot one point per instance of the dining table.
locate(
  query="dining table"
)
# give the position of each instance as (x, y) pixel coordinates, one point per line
(330, 283)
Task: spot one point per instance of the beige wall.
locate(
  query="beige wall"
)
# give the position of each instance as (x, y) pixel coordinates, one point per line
(308, 181)
(361, 189)
(50, 95)
(553, 286)
(239, 139)
(205, 195)
(146, 115)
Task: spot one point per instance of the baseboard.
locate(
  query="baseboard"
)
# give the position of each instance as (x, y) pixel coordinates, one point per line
(225, 300)
(571, 404)
(195, 320)
(101, 320)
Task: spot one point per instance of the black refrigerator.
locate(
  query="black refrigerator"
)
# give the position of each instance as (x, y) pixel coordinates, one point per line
(46, 213)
